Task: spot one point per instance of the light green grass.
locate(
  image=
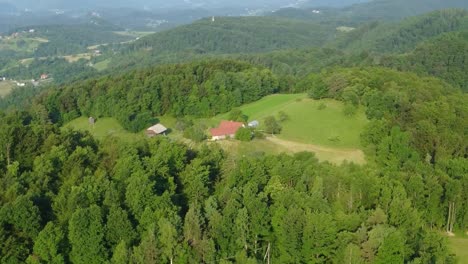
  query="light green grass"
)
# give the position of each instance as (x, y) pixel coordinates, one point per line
(6, 87)
(268, 105)
(307, 124)
(459, 246)
(103, 128)
(102, 65)
(28, 45)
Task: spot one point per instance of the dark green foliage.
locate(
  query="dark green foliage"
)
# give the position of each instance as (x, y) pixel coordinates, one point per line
(271, 125)
(86, 236)
(195, 133)
(237, 115)
(244, 134)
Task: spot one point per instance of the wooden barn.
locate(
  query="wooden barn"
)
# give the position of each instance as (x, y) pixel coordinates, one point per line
(156, 130)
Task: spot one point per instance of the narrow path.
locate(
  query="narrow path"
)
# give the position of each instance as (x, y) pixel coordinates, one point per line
(334, 155)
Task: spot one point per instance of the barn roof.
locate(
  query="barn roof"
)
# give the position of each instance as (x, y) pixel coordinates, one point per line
(226, 128)
(158, 129)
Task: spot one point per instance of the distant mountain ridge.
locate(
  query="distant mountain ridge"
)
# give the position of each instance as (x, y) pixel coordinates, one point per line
(377, 10)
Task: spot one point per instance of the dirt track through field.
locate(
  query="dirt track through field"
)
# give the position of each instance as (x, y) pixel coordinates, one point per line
(334, 155)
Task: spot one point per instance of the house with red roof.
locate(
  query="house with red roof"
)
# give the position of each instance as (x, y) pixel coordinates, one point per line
(227, 129)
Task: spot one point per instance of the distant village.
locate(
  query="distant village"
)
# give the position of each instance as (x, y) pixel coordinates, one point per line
(34, 82)
(17, 34)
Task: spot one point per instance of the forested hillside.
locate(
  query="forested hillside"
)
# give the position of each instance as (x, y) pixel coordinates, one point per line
(444, 56)
(403, 36)
(378, 10)
(226, 35)
(66, 197)
(73, 39)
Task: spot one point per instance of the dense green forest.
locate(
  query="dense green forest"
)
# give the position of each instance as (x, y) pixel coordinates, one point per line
(68, 198)
(73, 39)
(226, 35)
(405, 35)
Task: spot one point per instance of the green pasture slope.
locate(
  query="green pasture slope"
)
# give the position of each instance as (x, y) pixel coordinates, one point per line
(308, 124)
(103, 128)
(459, 246)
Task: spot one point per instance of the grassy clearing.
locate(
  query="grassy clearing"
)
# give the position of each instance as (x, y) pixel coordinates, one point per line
(6, 87)
(135, 34)
(459, 246)
(77, 57)
(307, 124)
(102, 65)
(104, 127)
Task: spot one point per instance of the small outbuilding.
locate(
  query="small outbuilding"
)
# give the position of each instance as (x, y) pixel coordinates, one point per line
(91, 120)
(254, 124)
(156, 130)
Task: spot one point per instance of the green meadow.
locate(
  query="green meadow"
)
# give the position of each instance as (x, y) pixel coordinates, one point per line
(318, 122)
(459, 246)
(104, 127)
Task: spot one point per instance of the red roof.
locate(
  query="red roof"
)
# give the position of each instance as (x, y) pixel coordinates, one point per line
(226, 128)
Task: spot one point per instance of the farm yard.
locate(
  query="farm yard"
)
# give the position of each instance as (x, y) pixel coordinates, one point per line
(311, 127)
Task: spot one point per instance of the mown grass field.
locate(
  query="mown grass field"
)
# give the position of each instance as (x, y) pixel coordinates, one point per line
(459, 246)
(6, 87)
(308, 124)
(103, 127)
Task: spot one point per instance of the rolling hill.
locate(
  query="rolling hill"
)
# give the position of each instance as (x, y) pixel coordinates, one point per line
(405, 35)
(377, 10)
(226, 35)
